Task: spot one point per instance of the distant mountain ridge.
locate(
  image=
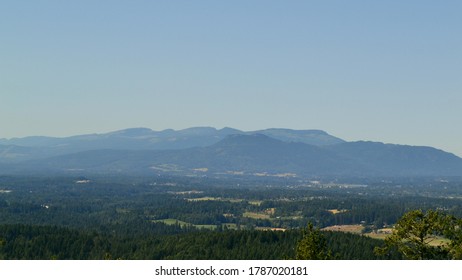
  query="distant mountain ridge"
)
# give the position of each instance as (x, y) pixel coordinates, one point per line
(147, 139)
(207, 151)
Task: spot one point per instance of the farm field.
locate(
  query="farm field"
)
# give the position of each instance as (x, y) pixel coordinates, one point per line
(254, 215)
(357, 229)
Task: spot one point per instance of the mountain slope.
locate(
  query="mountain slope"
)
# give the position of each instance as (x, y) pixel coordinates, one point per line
(312, 137)
(400, 159)
(258, 153)
(147, 139)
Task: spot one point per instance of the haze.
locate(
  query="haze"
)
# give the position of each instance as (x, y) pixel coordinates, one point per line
(384, 71)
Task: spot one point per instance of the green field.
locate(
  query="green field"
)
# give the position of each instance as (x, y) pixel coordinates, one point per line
(181, 223)
(232, 200)
(172, 222)
(254, 215)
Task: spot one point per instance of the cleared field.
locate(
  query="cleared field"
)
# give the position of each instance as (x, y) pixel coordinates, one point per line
(270, 229)
(374, 235)
(230, 225)
(235, 200)
(337, 211)
(254, 215)
(379, 234)
(181, 223)
(290, 217)
(357, 229)
(255, 202)
(122, 210)
(171, 222)
(232, 200)
(211, 227)
(437, 241)
(187, 192)
(206, 198)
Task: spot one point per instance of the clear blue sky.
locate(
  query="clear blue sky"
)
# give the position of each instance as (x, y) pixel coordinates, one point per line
(387, 71)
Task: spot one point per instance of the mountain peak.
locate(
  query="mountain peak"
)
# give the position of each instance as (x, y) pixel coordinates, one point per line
(312, 136)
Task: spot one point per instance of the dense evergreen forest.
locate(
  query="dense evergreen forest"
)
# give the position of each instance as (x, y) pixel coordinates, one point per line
(205, 218)
(51, 242)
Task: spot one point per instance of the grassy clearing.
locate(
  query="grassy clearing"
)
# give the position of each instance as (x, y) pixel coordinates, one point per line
(357, 229)
(437, 241)
(211, 227)
(376, 235)
(255, 202)
(171, 222)
(379, 234)
(235, 200)
(230, 225)
(254, 215)
(122, 210)
(232, 200)
(206, 198)
(270, 229)
(181, 223)
(291, 217)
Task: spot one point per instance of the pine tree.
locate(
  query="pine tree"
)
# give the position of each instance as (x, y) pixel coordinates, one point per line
(313, 245)
(415, 234)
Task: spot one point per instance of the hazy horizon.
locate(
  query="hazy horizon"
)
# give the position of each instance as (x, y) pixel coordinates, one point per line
(217, 128)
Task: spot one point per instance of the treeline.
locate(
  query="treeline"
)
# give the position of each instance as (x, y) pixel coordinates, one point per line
(51, 242)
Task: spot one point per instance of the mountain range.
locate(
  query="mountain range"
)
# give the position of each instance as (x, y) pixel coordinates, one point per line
(206, 151)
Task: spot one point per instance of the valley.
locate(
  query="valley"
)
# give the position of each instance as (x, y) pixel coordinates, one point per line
(130, 208)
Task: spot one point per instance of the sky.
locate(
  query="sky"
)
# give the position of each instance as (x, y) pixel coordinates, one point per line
(388, 71)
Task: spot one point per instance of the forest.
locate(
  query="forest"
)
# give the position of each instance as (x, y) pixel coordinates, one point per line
(168, 217)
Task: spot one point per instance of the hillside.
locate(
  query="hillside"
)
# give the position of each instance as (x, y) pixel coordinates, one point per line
(247, 154)
(36, 147)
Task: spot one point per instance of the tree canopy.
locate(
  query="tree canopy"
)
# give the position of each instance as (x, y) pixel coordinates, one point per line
(313, 245)
(422, 235)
